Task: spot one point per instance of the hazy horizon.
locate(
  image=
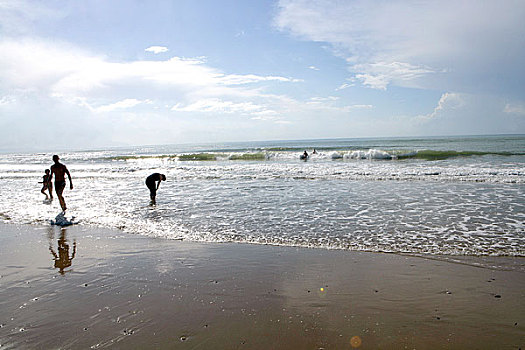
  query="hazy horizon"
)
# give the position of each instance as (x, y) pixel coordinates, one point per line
(243, 143)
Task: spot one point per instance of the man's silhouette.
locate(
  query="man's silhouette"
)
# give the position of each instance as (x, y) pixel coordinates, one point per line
(60, 171)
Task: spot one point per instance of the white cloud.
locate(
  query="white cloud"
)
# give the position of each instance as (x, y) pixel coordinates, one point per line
(464, 114)
(448, 101)
(63, 80)
(234, 79)
(216, 105)
(50, 80)
(124, 104)
(266, 114)
(329, 104)
(5, 100)
(64, 71)
(361, 106)
(344, 86)
(513, 108)
(313, 68)
(447, 44)
(324, 99)
(380, 75)
(157, 49)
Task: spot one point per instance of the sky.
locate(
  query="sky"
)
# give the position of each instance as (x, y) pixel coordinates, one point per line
(95, 73)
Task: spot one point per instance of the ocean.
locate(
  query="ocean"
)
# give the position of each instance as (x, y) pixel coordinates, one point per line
(429, 195)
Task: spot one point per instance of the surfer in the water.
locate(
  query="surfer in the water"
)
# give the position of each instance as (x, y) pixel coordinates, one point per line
(153, 186)
(60, 171)
(304, 156)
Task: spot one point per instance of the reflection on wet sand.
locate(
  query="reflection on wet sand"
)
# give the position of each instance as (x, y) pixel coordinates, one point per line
(62, 258)
(128, 291)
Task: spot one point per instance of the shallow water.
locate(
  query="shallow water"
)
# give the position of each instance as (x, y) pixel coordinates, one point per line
(464, 196)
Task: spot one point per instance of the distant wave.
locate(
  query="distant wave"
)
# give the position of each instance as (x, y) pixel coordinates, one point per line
(204, 156)
(281, 153)
(440, 155)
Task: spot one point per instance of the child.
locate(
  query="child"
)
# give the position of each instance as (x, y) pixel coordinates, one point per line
(46, 181)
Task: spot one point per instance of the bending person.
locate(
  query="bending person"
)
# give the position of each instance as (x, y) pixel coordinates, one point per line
(151, 182)
(60, 171)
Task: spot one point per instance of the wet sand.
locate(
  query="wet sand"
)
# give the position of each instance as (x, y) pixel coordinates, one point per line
(131, 292)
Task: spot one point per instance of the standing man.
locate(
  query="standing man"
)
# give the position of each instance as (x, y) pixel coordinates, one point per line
(60, 171)
(153, 186)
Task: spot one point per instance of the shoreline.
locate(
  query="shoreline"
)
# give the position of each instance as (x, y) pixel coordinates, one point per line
(128, 291)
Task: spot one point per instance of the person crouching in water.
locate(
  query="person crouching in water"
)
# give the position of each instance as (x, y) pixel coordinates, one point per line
(153, 186)
(47, 185)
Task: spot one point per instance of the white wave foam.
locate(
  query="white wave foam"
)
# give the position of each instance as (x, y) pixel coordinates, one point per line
(415, 206)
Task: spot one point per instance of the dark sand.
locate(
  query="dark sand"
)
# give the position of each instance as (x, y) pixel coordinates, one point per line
(132, 292)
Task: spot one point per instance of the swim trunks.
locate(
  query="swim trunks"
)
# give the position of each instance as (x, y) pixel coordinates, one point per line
(59, 186)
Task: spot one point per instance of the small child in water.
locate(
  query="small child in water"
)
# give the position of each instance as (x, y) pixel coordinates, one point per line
(46, 185)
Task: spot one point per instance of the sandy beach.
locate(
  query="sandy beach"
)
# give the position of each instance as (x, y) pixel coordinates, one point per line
(81, 287)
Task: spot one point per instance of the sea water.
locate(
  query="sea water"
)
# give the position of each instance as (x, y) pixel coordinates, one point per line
(448, 195)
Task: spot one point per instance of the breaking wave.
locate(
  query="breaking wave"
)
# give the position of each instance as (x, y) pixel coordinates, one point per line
(322, 154)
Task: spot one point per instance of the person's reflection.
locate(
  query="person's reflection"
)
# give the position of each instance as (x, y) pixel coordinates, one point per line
(62, 259)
